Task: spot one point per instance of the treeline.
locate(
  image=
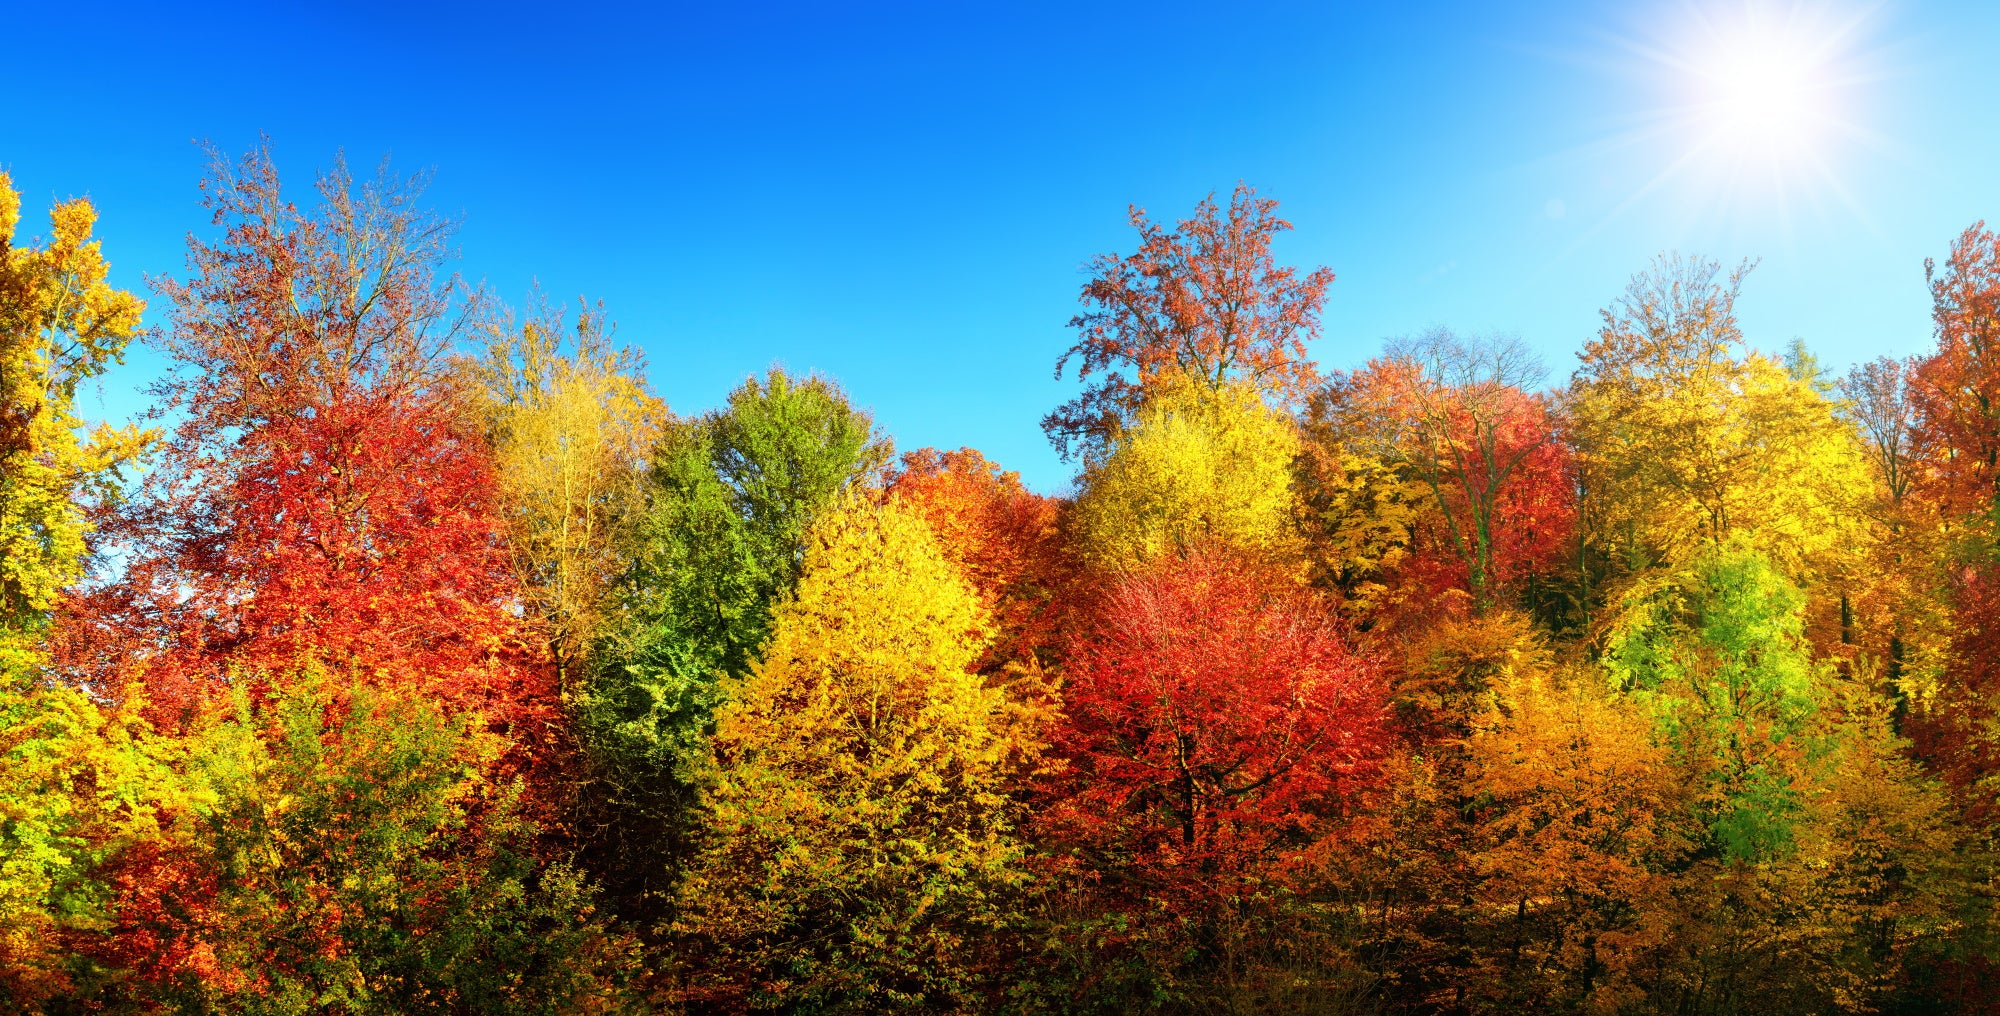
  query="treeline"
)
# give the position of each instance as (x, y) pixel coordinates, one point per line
(414, 658)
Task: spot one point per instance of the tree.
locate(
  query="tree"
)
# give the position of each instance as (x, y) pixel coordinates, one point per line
(1456, 413)
(1681, 443)
(1005, 540)
(79, 786)
(1579, 826)
(1956, 390)
(326, 496)
(78, 782)
(1206, 304)
(1216, 725)
(345, 851)
(1878, 400)
(1361, 514)
(1958, 387)
(571, 430)
(1812, 824)
(1197, 466)
(730, 499)
(61, 324)
(860, 830)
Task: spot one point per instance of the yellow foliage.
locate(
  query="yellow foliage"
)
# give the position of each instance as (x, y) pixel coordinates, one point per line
(1681, 443)
(571, 432)
(77, 784)
(60, 324)
(1357, 511)
(858, 810)
(1198, 466)
(1582, 815)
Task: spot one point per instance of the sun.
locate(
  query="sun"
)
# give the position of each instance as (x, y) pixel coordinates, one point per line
(1765, 95)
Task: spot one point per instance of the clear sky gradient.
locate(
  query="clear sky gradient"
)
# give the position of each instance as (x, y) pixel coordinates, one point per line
(904, 196)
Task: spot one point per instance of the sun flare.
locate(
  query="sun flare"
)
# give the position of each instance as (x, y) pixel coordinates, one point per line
(1765, 95)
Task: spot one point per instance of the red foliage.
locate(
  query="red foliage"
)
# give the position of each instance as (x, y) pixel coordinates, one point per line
(1215, 717)
(1533, 528)
(1002, 536)
(323, 498)
(1956, 391)
(1207, 299)
(1957, 388)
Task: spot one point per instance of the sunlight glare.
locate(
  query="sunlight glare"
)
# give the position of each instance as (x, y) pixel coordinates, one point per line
(1764, 96)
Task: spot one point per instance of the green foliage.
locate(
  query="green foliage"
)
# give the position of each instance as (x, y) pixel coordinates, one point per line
(1719, 653)
(732, 494)
(345, 852)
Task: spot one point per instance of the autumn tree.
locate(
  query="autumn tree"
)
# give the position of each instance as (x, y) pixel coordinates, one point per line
(1684, 438)
(1578, 825)
(1958, 389)
(572, 424)
(78, 781)
(1519, 854)
(325, 495)
(61, 324)
(730, 497)
(1197, 466)
(80, 785)
(860, 833)
(1005, 540)
(1457, 413)
(348, 851)
(1206, 304)
(1216, 724)
(1361, 512)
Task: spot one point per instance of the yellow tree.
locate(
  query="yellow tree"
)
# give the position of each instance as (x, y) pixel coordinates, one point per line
(1359, 508)
(1199, 466)
(572, 424)
(860, 832)
(1685, 437)
(61, 323)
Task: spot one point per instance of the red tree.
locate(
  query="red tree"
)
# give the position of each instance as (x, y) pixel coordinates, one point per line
(1956, 391)
(1453, 416)
(1207, 300)
(323, 498)
(1957, 388)
(1216, 716)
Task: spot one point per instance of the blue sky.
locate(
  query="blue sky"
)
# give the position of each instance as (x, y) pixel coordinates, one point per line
(904, 196)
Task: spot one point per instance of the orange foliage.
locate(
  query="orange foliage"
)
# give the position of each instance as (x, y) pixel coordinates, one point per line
(1003, 538)
(1206, 301)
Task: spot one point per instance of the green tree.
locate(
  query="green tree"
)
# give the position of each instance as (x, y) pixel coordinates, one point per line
(344, 852)
(730, 497)
(1823, 854)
